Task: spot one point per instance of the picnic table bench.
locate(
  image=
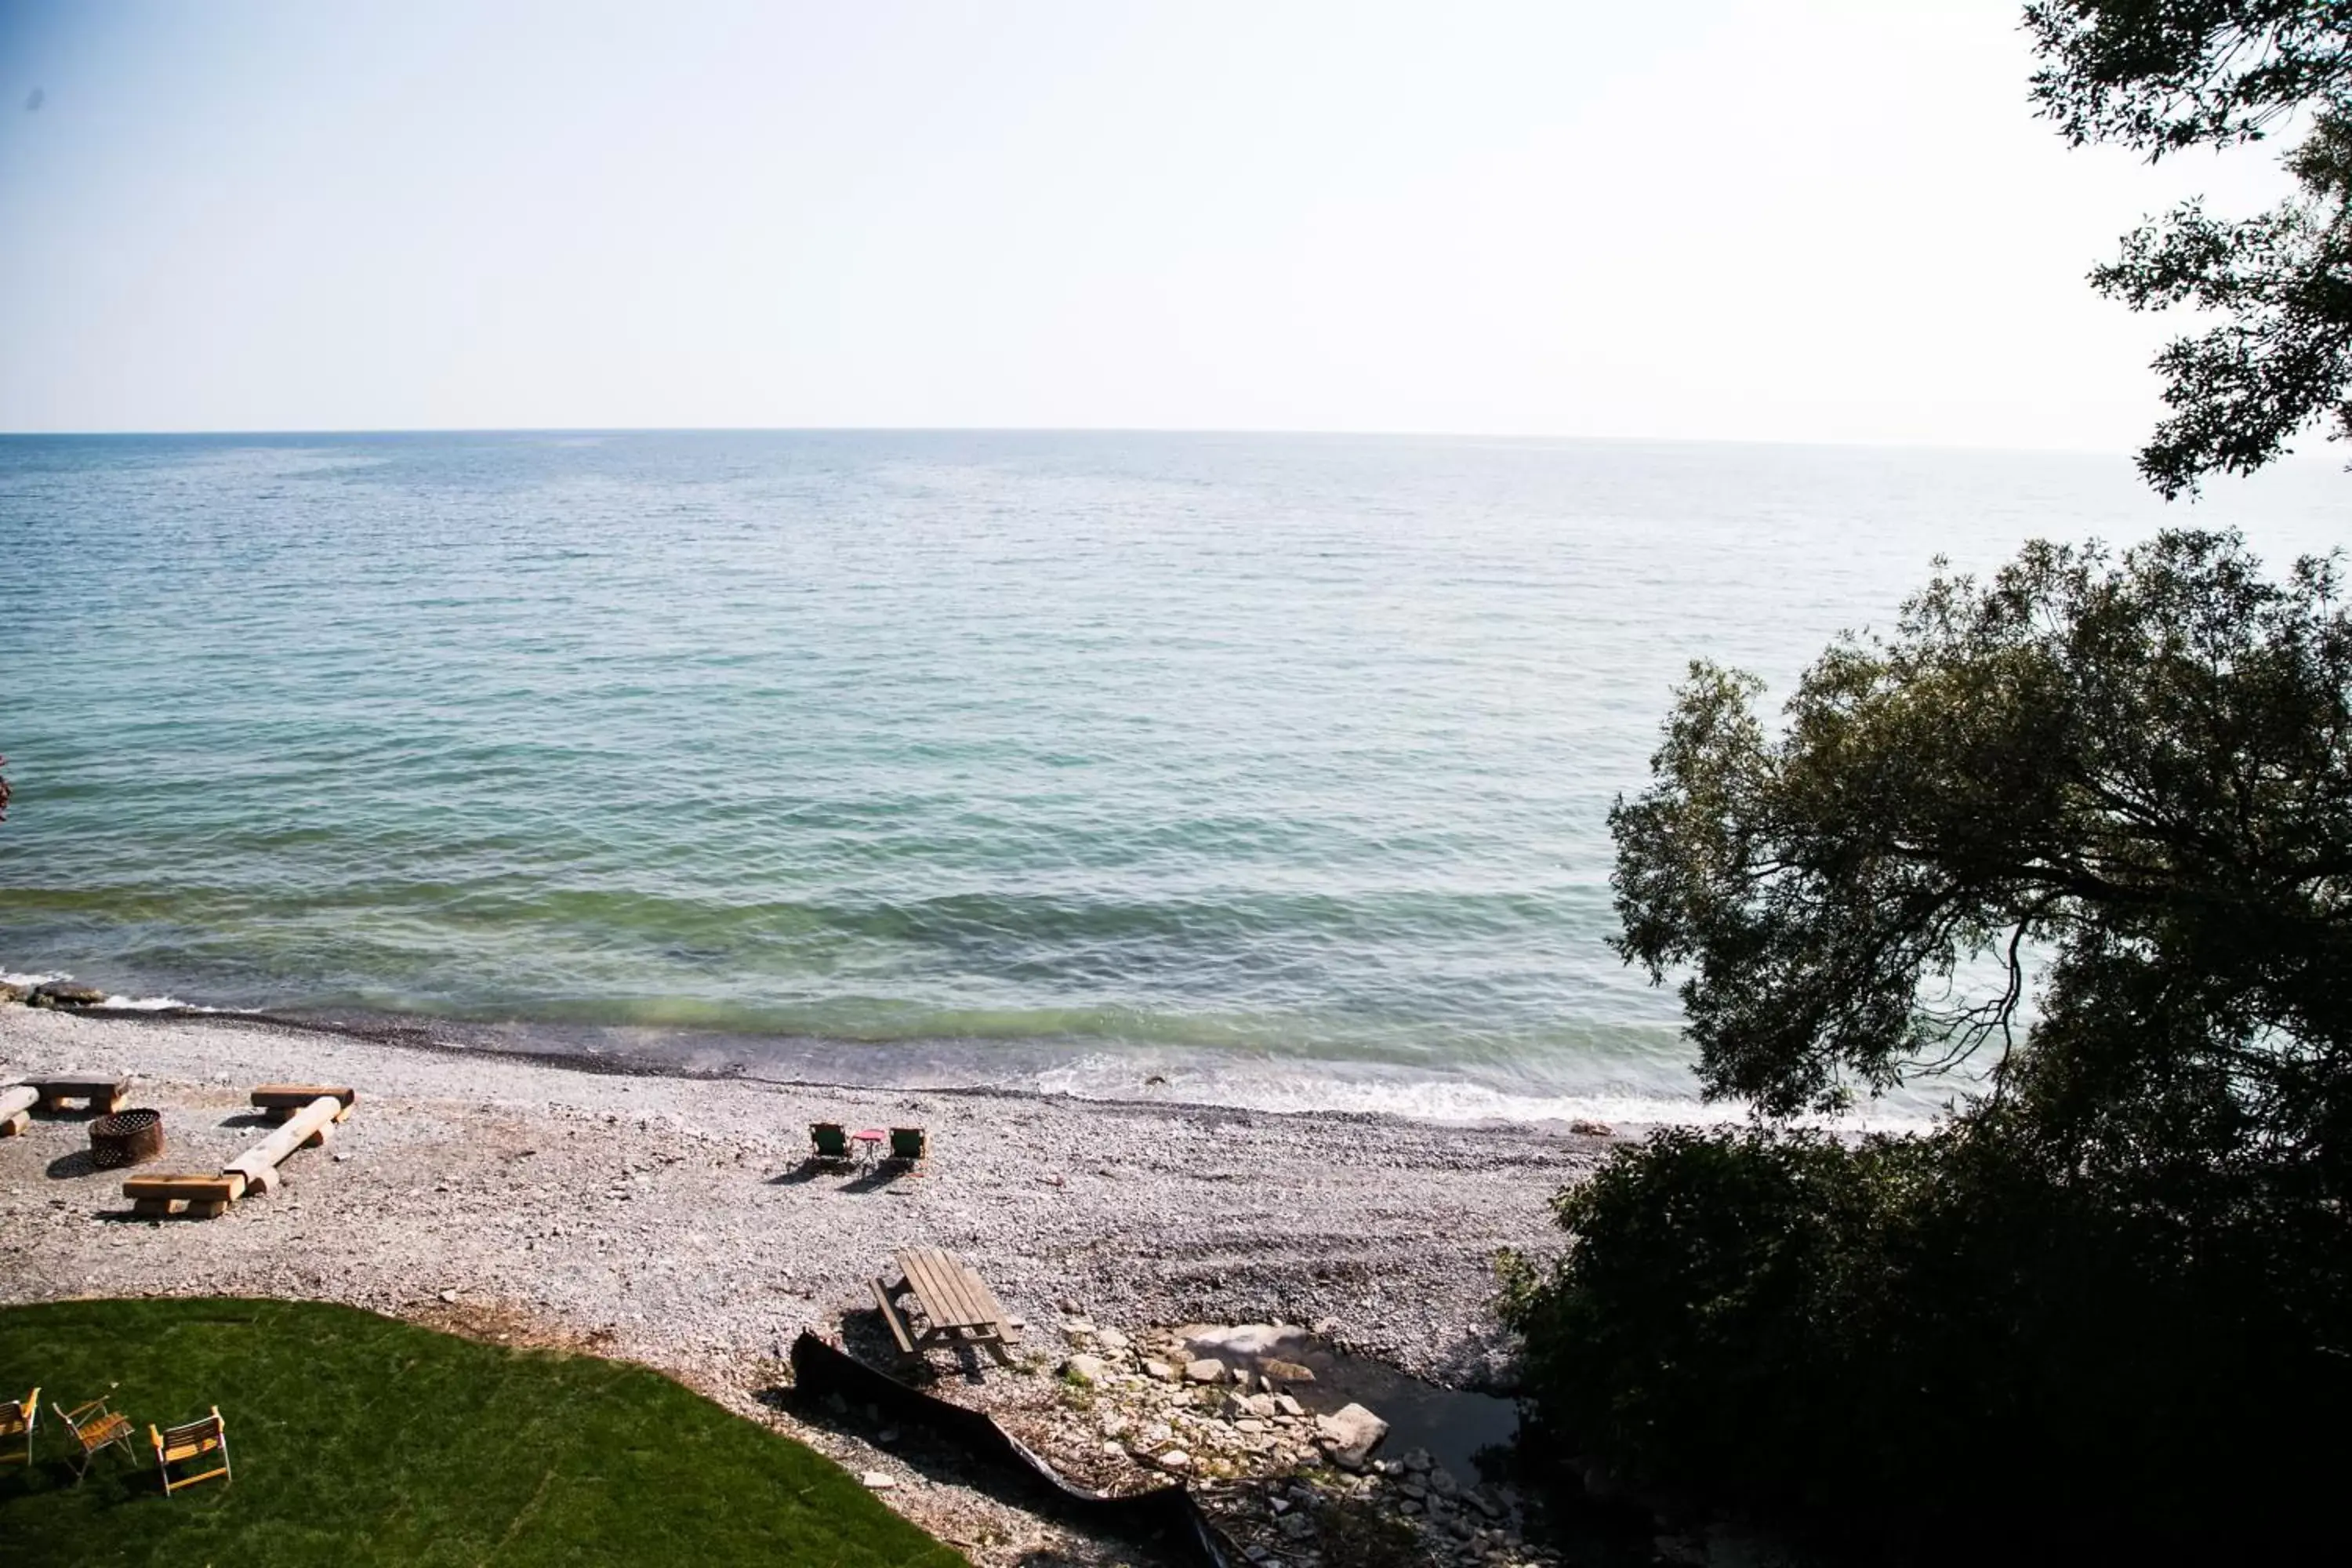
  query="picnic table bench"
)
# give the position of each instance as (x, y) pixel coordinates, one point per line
(957, 1305)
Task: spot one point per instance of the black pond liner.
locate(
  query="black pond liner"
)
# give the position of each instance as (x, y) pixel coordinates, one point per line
(1166, 1515)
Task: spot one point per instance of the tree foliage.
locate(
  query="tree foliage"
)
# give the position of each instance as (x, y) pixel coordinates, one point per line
(2092, 817)
(2161, 75)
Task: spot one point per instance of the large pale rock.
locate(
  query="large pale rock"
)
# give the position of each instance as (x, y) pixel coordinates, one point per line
(1112, 1341)
(1208, 1369)
(1087, 1369)
(1350, 1434)
(1252, 1342)
(1279, 1371)
(1160, 1369)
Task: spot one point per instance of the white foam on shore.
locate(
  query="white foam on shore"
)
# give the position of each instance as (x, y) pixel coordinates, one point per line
(119, 1004)
(1422, 1097)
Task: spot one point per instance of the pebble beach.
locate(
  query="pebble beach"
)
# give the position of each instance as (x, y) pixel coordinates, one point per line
(675, 1221)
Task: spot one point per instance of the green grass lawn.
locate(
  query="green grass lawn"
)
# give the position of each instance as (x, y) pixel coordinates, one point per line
(358, 1439)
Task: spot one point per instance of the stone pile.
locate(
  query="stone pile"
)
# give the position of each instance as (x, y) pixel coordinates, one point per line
(1219, 1408)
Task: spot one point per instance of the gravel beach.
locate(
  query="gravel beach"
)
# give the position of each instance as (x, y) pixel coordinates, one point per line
(671, 1220)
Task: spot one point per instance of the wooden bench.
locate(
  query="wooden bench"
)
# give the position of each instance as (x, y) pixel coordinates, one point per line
(201, 1196)
(103, 1096)
(280, 1100)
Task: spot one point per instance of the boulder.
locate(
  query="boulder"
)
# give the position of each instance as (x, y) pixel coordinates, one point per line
(1583, 1128)
(1174, 1459)
(1208, 1369)
(1248, 1342)
(1350, 1435)
(1089, 1370)
(1278, 1371)
(64, 994)
(10, 993)
(1160, 1369)
(1111, 1340)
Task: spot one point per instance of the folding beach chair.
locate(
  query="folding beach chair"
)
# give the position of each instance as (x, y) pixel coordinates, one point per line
(190, 1445)
(95, 1428)
(908, 1147)
(17, 1419)
(829, 1142)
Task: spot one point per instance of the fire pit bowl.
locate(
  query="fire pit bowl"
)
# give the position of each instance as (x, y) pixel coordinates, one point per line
(126, 1138)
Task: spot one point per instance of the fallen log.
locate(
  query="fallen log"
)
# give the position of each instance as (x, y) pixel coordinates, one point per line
(17, 1104)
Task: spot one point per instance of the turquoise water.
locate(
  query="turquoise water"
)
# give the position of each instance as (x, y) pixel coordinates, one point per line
(1274, 766)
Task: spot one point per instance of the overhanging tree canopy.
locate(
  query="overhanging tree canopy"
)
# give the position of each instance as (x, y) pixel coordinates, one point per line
(2140, 767)
(2161, 75)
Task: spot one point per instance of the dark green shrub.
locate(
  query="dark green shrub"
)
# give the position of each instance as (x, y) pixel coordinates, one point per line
(1935, 1343)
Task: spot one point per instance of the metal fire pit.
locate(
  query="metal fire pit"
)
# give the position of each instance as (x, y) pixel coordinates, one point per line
(126, 1138)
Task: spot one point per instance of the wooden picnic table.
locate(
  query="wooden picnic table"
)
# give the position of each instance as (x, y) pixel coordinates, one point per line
(958, 1306)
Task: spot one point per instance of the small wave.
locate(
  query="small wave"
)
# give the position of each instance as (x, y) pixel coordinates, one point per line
(1284, 1087)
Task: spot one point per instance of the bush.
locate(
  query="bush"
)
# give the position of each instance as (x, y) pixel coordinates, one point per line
(1938, 1341)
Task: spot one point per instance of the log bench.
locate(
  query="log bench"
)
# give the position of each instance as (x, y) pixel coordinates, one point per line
(280, 1100)
(200, 1196)
(103, 1096)
(306, 1116)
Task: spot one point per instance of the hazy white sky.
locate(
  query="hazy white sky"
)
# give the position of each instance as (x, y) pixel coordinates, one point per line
(1828, 220)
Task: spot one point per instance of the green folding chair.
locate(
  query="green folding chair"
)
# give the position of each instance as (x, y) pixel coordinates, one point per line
(829, 1142)
(908, 1147)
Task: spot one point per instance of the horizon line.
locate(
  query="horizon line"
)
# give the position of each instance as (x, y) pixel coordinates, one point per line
(1291, 433)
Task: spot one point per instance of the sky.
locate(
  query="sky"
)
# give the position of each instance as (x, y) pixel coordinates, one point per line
(1775, 220)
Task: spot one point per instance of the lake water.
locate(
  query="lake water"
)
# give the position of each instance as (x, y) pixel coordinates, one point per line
(1274, 767)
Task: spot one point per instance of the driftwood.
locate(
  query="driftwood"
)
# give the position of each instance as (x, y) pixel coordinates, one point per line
(16, 1102)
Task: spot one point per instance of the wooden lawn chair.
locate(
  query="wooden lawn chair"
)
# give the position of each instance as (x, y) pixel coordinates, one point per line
(96, 1428)
(908, 1147)
(829, 1142)
(189, 1445)
(18, 1418)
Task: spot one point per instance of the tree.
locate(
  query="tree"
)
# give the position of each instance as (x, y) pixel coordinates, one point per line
(2120, 787)
(2140, 771)
(2161, 75)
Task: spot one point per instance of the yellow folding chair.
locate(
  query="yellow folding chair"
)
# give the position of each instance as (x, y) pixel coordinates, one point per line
(189, 1445)
(96, 1428)
(19, 1417)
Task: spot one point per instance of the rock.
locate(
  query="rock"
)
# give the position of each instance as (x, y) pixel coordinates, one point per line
(1208, 1369)
(1260, 1405)
(10, 993)
(878, 1480)
(1286, 1372)
(1160, 1369)
(1249, 1342)
(1295, 1526)
(1583, 1128)
(1089, 1370)
(1111, 1340)
(449, 1296)
(1442, 1481)
(1285, 1406)
(62, 993)
(1350, 1434)
(1174, 1459)
(1417, 1461)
